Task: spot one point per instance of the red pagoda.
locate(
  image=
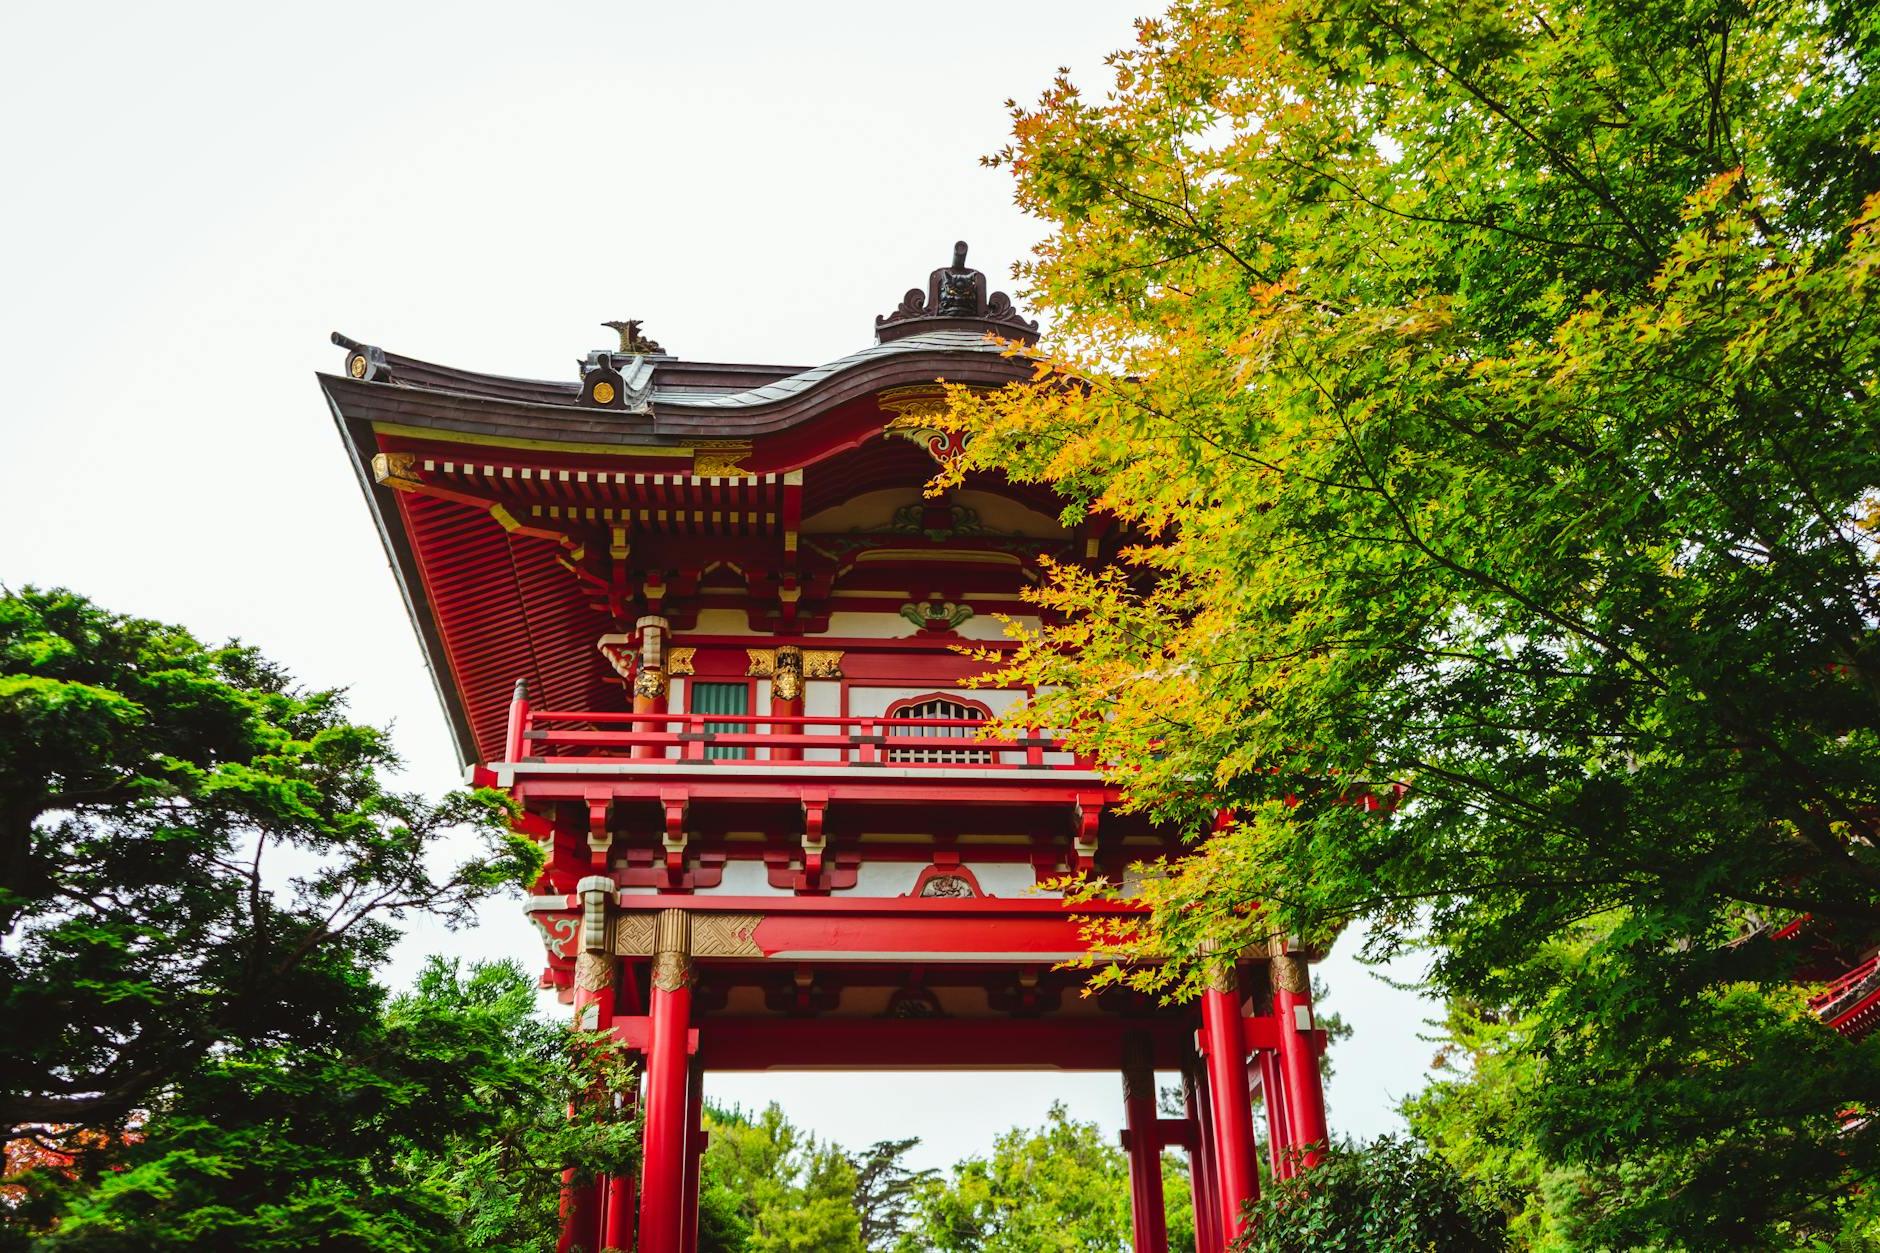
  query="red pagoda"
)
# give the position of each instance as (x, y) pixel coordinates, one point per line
(702, 623)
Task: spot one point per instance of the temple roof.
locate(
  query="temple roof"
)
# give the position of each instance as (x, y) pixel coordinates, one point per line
(510, 506)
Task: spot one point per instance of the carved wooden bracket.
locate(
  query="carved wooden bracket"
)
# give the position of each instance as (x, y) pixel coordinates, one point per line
(673, 839)
(1087, 812)
(599, 801)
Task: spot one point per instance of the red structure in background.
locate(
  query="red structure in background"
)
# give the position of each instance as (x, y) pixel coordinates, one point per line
(702, 623)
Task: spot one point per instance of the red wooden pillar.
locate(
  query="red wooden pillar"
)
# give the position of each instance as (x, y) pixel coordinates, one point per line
(1237, 1169)
(1148, 1221)
(617, 1218)
(694, 1150)
(649, 681)
(1298, 1058)
(584, 1205)
(786, 699)
(1278, 1134)
(1201, 1160)
(663, 1140)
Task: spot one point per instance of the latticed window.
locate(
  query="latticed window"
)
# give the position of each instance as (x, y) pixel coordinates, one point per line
(722, 698)
(945, 709)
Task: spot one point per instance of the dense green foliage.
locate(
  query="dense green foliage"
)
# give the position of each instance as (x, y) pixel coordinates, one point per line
(1059, 1188)
(1385, 1197)
(442, 1125)
(1493, 392)
(149, 785)
(769, 1187)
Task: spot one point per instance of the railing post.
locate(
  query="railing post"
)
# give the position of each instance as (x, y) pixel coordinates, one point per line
(514, 735)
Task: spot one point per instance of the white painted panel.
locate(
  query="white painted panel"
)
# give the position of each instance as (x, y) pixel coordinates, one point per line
(675, 703)
(822, 696)
(1003, 878)
(986, 627)
(761, 707)
(746, 878)
(885, 878)
(870, 626)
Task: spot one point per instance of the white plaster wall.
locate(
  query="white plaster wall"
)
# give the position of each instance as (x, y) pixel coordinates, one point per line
(822, 697)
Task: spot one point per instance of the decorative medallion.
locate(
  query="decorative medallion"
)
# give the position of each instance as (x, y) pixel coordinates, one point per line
(914, 1003)
(936, 618)
(787, 681)
(603, 393)
(948, 885)
(356, 365)
(650, 683)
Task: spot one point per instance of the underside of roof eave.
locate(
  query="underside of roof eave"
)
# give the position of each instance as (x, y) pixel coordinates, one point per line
(355, 434)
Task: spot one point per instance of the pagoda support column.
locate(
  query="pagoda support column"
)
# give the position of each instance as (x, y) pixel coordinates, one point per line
(1237, 1169)
(584, 1203)
(694, 1151)
(1141, 1138)
(1201, 1160)
(1298, 1056)
(649, 681)
(1278, 1134)
(663, 1140)
(786, 698)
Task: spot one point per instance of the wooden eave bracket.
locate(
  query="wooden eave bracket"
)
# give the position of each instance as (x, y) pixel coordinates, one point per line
(600, 802)
(673, 803)
(815, 805)
(1086, 813)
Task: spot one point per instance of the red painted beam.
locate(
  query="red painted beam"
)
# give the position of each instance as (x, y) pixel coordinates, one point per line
(1083, 1043)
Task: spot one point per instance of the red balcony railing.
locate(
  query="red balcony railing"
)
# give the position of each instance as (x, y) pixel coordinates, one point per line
(1847, 993)
(810, 741)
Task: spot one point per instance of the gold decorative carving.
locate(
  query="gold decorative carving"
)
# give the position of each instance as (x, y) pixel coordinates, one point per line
(593, 971)
(1220, 968)
(918, 400)
(603, 393)
(726, 935)
(763, 663)
(680, 660)
(672, 950)
(1289, 974)
(396, 470)
(650, 683)
(633, 935)
(356, 365)
(787, 684)
(721, 457)
(822, 663)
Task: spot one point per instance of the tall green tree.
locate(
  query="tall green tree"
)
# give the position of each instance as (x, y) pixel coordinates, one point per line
(1484, 396)
(766, 1186)
(885, 1187)
(195, 855)
(1059, 1188)
(441, 1125)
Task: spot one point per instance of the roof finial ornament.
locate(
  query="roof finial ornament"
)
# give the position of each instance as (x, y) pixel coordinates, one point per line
(631, 341)
(956, 299)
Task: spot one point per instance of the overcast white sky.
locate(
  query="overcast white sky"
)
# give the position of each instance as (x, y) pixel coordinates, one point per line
(197, 194)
